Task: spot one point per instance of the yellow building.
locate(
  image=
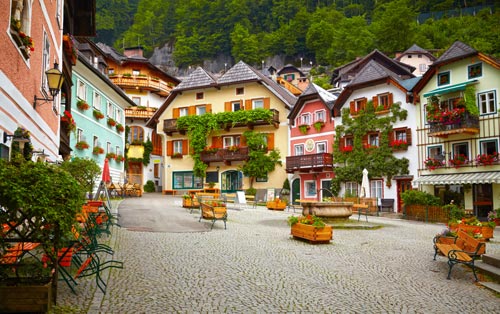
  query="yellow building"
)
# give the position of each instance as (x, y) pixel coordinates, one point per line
(240, 88)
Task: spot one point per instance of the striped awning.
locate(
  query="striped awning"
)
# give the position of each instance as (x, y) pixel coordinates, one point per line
(449, 89)
(460, 178)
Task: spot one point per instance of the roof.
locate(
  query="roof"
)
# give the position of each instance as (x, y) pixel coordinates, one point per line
(448, 89)
(372, 71)
(415, 49)
(312, 92)
(461, 178)
(290, 68)
(458, 50)
(199, 78)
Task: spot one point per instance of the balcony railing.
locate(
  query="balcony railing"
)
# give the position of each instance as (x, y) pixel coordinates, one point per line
(225, 155)
(466, 124)
(170, 125)
(312, 162)
(155, 85)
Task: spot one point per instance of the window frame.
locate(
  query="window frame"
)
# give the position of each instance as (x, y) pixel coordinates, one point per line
(258, 100)
(297, 148)
(200, 96)
(240, 91)
(485, 150)
(320, 115)
(177, 147)
(456, 149)
(351, 188)
(439, 148)
(183, 111)
(96, 100)
(81, 91)
(324, 144)
(231, 140)
(376, 188)
(198, 109)
(487, 102)
(236, 104)
(470, 69)
(136, 134)
(195, 181)
(309, 187)
(305, 119)
(441, 75)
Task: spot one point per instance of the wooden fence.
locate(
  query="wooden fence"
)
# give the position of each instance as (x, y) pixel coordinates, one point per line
(425, 213)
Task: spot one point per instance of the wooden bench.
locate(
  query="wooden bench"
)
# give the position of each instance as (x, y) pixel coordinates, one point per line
(166, 192)
(211, 211)
(463, 250)
(362, 209)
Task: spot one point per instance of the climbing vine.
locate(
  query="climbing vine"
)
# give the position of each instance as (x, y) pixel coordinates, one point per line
(199, 128)
(378, 160)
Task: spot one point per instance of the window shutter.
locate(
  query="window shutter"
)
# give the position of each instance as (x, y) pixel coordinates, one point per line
(170, 148)
(364, 140)
(363, 103)
(248, 104)
(227, 106)
(243, 140)
(192, 110)
(342, 143)
(184, 147)
(175, 113)
(209, 108)
(267, 103)
(270, 141)
(375, 101)
(391, 99)
(391, 137)
(217, 141)
(352, 109)
(408, 136)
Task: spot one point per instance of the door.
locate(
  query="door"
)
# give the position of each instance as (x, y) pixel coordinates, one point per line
(482, 200)
(231, 181)
(134, 174)
(295, 190)
(403, 185)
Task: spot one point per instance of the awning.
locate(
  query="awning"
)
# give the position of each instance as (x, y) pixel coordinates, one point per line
(449, 89)
(460, 178)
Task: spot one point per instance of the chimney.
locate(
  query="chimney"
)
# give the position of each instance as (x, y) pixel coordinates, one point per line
(133, 52)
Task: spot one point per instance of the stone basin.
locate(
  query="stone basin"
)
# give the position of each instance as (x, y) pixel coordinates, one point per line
(340, 210)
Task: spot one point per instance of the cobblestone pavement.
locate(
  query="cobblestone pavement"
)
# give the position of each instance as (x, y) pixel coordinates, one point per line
(256, 267)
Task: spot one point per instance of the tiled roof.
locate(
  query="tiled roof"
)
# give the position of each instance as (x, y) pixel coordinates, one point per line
(415, 49)
(198, 79)
(372, 71)
(238, 73)
(457, 50)
(111, 51)
(410, 83)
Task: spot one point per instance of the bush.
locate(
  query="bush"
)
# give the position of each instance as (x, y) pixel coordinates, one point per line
(454, 212)
(149, 186)
(251, 191)
(415, 197)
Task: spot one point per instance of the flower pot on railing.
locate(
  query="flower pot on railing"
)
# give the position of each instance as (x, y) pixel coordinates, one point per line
(120, 128)
(98, 115)
(82, 105)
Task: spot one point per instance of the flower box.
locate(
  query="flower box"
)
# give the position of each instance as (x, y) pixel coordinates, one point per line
(111, 122)
(82, 105)
(311, 233)
(190, 203)
(276, 205)
(486, 231)
(26, 299)
(120, 128)
(81, 145)
(98, 115)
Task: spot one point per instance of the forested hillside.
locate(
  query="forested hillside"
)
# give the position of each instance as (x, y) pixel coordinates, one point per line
(330, 32)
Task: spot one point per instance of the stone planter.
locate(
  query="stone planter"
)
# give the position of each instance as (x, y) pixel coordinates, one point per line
(341, 210)
(26, 299)
(276, 205)
(311, 233)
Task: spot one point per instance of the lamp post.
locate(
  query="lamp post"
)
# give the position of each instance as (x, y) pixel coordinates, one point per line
(55, 80)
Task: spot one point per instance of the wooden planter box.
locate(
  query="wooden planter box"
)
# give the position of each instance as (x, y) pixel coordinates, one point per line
(311, 233)
(487, 232)
(276, 205)
(26, 299)
(188, 203)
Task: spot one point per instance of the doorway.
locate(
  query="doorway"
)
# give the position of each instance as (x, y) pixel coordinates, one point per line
(134, 174)
(231, 181)
(482, 200)
(403, 186)
(295, 190)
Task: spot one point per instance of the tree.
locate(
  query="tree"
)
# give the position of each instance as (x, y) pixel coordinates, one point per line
(84, 171)
(244, 45)
(259, 163)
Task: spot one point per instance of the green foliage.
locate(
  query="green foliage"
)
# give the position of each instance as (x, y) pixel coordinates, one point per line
(454, 212)
(149, 186)
(148, 149)
(251, 191)
(470, 100)
(415, 197)
(84, 171)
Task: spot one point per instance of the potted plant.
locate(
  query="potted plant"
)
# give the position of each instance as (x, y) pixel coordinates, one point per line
(98, 115)
(189, 201)
(310, 227)
(82, 105)
(458, 160)
(120, 128)
(177, 155)
(433, 163)
(318, 125)
(210, 149)
(494, 216)
(67, 119)
(81, 145)
(233, 148)
(119, 158)
(276, 204)
(399, 144)
(304, 128)
(111, 155)
(487, 159)
(111, 121)
(97, 150)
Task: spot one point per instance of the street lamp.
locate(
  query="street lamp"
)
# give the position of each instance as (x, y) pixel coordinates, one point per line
(55, 80)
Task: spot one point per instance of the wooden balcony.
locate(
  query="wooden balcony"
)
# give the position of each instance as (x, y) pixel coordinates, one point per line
(225, 155)
(139, 113)
(466, 125)
(309, 163)
(170, 125)
(149, 83)
(291, 88)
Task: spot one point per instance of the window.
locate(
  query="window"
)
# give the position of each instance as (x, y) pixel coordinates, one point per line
(383, 100)
(183, 112)
(257, 103)
(400, 135)
(186, 180)
(137, 100)
(422, 67)
(321, 147)
(45, 62)
(435, 152)
(349, 141)
(82, 90)
(95, 142)
(240, 90)
(108, 148)
(229, 141)
(443, 78)
(319, 116)
(289, 77)
(201, 110)
(118, 116)
(487, 102)
(111, 71)
(156, 170)
(136, 72)
(199, 96)
(177, 145)
(136, 134)
(376, 188)
(305, 119)
(299, 150)
(109, 108)
(373, 140)
(310, 188)
(118, 150)
(79, 135)
(460, 149)
(236, 105)
(488, 147)
(351, 189)
(97, 101)
(475, 70)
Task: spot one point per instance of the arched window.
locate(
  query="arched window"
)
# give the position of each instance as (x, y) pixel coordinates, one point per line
(136, 134)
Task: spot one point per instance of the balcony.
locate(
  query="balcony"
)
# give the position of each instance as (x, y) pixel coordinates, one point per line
(149, 83)
(139, 113)
(170, 125)
(309, 163)
(225, 155)
(465, 125)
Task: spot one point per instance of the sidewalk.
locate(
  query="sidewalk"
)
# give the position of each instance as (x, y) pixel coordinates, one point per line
(255, 266)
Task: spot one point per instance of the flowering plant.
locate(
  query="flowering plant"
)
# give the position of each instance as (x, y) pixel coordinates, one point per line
(346, 149)
(82, 104)
(120, 128)
(458, 160)
(447, 233)
(303, 128)
(177, 155)
(433, 163)
(210, 149)
(318, 125)
(306, 220)
(111, 155)
(119, 158)
(97, 114)
(111, 121)
(81, 145)
(399, 144)
(67, 118)
(233, 148)
(487, 159)
(27, 42)
(98, 150)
